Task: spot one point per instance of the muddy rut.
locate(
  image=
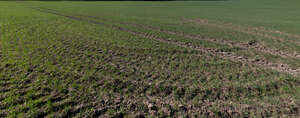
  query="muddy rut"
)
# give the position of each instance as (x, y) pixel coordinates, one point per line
(225, 55)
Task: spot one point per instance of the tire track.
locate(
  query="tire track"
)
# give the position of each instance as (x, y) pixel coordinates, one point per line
(225, 55)
(253, 31)
(244, 29)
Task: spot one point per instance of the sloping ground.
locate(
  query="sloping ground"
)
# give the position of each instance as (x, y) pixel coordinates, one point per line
(56, 64)
(224, 54)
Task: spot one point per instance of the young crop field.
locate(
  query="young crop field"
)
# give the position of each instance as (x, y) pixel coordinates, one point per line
(233, 58)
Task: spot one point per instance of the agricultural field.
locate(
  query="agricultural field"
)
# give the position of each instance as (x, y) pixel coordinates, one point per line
(234, 58)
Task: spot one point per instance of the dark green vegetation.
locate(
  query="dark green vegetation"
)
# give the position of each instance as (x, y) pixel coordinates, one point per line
(142, 59)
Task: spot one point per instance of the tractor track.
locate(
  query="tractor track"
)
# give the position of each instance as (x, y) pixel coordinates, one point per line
(256, 31)
(225, 55)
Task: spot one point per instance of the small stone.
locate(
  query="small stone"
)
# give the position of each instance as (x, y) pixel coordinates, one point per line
(152, 107)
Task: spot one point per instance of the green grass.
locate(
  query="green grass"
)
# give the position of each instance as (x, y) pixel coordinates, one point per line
(76, 61)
